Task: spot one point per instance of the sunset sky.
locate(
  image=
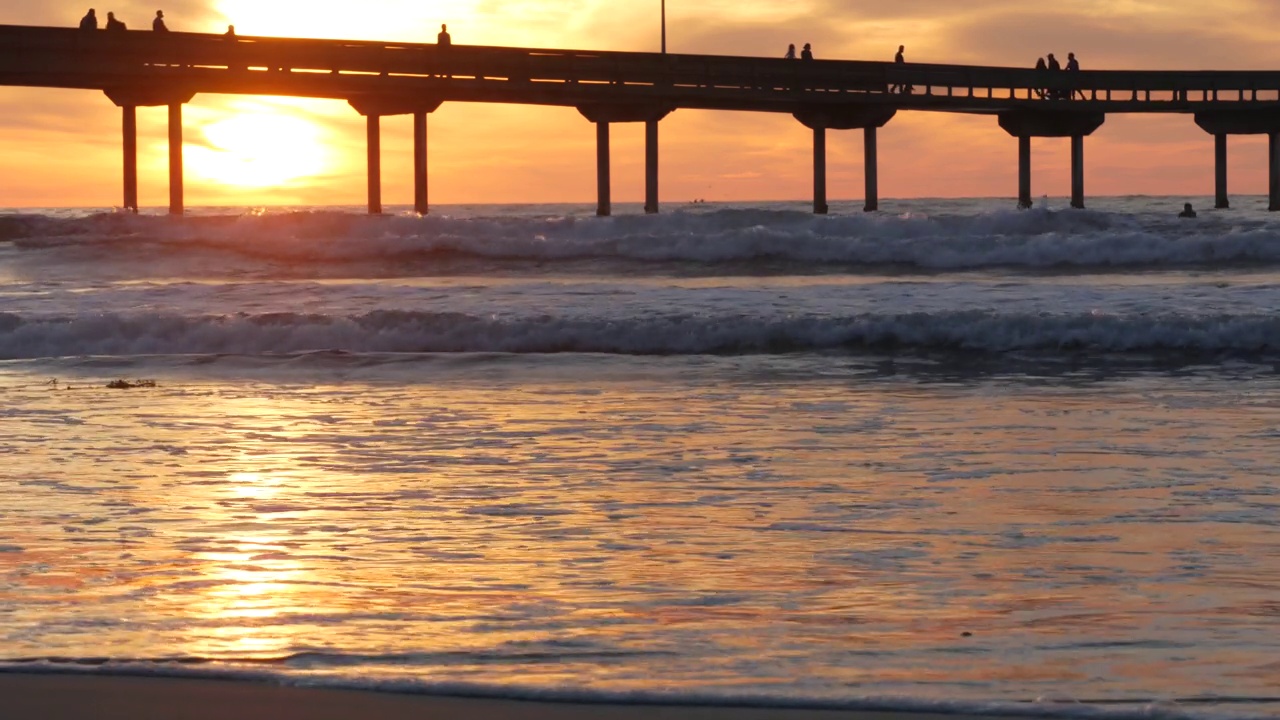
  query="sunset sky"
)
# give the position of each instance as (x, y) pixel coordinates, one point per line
(62, 148)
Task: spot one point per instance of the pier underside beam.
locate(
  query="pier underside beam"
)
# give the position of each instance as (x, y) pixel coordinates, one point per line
(420, 204)
(1220, 199)
(870, 169)
(1077, 172)
(1046, 123)
(176, 202)
(1024, 172)
(129, 125)
(651, 166)
(820, 171)
(603, 202)
(374, 130)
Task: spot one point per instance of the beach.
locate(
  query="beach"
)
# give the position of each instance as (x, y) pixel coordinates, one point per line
(71, 697)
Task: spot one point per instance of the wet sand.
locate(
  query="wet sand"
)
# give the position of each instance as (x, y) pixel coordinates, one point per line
(76, 697)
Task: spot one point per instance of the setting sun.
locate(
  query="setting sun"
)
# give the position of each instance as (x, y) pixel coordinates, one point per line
(258, 150)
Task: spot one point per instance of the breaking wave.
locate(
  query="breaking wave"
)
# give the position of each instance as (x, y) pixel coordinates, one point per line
(389, 331)
(1039, 239)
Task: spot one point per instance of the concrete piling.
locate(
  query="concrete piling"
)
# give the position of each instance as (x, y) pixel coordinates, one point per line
(420, 204)
(374, 131)
(176, 201)
(129, 115)
(604, 206)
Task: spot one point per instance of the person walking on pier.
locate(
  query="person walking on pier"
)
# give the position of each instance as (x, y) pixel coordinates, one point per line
(158, 25)
(791, 52)
(806, 53)
(899, 59)
(113, 24)
(443, 39)
(1041, 67)
(90, 20)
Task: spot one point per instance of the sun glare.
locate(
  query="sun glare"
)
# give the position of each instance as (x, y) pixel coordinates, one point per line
(259, 150)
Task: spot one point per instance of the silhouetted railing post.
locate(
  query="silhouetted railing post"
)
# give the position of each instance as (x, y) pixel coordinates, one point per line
(820, 170)
(420, 205)
(651, 166)
(374, 131)
(603, 203)
(870, 168)
(176, 202)
(1024, 172)
(1220, 199)
(129, 114)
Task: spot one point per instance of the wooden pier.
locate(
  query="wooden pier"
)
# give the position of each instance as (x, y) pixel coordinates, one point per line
(139, 68)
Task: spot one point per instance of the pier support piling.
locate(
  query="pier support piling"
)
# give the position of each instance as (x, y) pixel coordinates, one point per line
(820, 171)
(420, 204)
(870, 166)
(176, 202)
(1077, 172)
(1024, 172)
(129, 116)
(651, 166)
(1220, 199)
(603, 203)
(1273, 167)
(375, 163)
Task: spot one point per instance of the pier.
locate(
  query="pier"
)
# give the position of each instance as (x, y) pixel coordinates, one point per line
(140, 68)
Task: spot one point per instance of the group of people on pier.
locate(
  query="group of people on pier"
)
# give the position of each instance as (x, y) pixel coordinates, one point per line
(90, 22)
(1052, 65)
(805, 54)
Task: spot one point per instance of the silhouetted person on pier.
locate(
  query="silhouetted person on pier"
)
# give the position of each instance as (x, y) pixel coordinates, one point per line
(230, 34)
(1041, 67)
(90, 20)
(791, 52)
(899, 59)
(443, 39)
(806, 53)
(158, 25)
(1073, 65)
(1187, 211)
(113, 24)
(1054, 66)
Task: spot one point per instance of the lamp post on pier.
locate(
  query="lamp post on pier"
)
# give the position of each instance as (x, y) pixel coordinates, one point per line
(664, 27)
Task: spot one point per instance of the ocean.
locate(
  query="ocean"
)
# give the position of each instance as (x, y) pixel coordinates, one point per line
(949, 456)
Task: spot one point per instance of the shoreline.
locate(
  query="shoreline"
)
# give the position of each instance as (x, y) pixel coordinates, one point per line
(68, 696)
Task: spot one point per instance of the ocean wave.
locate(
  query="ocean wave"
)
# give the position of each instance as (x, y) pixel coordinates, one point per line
(1039, 239)
(665, 334)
